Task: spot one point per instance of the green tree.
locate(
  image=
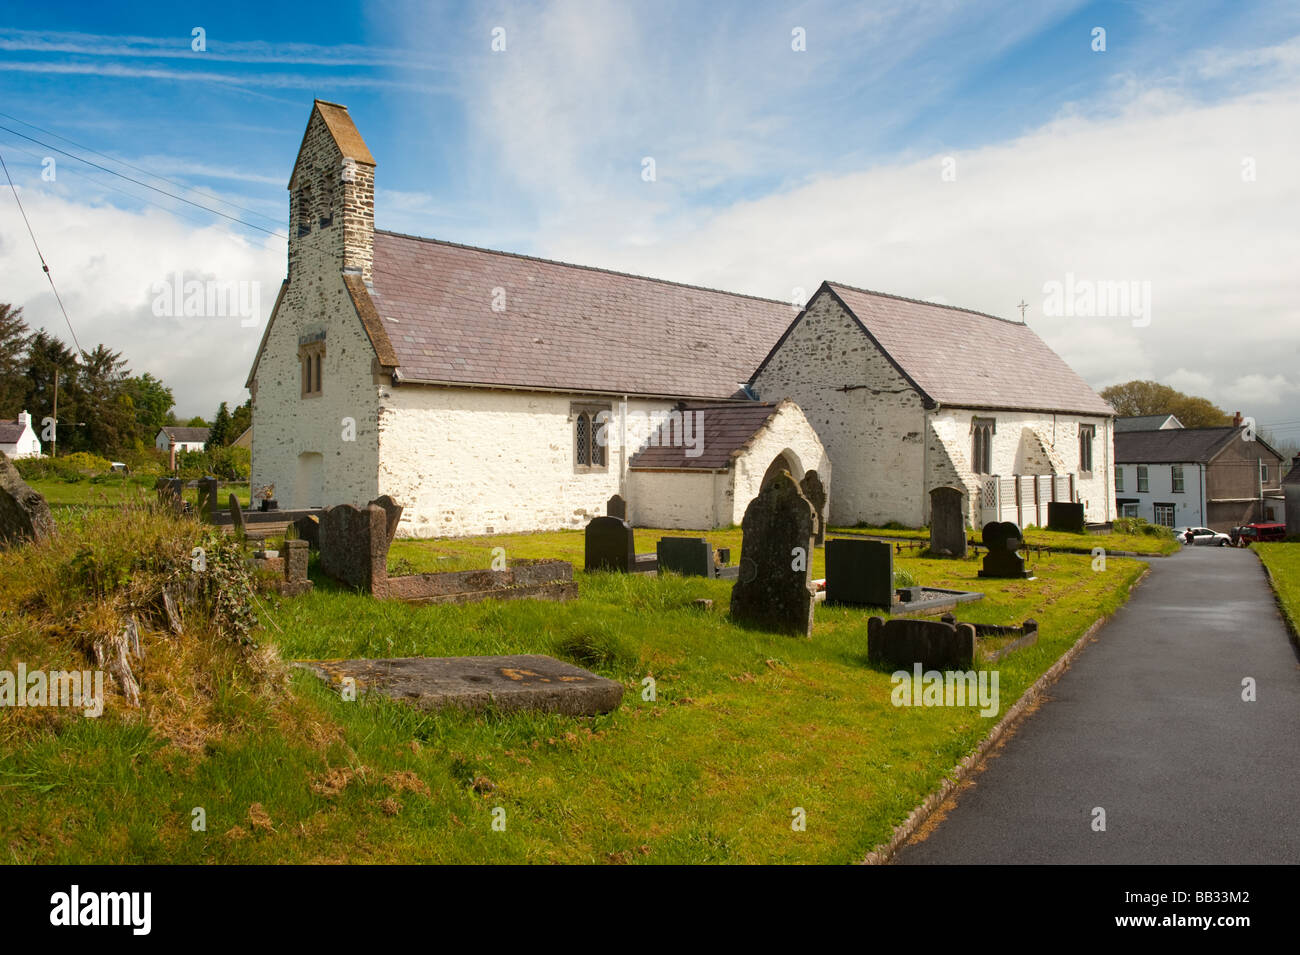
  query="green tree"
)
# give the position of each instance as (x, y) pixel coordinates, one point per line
(1150, 397)
(241, 419)
(46, 356)
(198, 421)
(151, 402)
(14, 339)
(106, 405)
(220, 434)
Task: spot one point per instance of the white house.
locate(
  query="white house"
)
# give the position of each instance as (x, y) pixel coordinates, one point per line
(1198, 477)
(183, 439)
(489, 392)
(17, 439)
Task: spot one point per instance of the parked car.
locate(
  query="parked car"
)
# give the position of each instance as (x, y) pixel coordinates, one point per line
(1262, 531)
(118, 467)
(1203, 537)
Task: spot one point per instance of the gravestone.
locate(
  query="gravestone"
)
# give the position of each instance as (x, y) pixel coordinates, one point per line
(295, 569)
(207, 498)
(815, 491)
(904, 642)
(774, 588)
(171, 493)
(859, 573)
(503, 683)
(309, 530)
(1065, 516)
(24, 514)
(948, 522)
(236, 515)
(688, 556)
(1003, 539)
(392, 514)
(610, 545)
(616, 507)
(354, 546)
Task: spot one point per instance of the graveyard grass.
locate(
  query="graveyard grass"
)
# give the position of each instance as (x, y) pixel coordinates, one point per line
(1282, 560)
(746, 727)
(1039, 536)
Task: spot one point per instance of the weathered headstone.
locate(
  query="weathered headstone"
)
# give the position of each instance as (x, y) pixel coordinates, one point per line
(504, 683)
(24, 514)
(207, 498)
(1065, 516)
(171, 493)
(616, 507)
(774, 589)
(688, 556)
(1003, 539)
(354, 546)
(859, 572)
(815, 491)
(948, 522)
(392, 514)
(309, 530)
(295, 569)
(610, 545)
(936, 645)
(236, 514)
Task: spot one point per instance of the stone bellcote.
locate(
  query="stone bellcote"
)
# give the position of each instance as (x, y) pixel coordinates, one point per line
(332, 196)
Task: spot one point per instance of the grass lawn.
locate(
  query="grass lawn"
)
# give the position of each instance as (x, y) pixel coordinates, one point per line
(1063, 540)
(1283, 563)
(65, 497)
(746, 727)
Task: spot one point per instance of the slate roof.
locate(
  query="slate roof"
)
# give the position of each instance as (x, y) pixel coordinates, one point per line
(1172, 445)
(187, 434)
(564, 327)
(10, 432)
(969, 359)
(1293, 476)
(718, 430)
(1145, 422)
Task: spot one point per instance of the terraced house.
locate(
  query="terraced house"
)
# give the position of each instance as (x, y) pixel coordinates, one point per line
(491, 392)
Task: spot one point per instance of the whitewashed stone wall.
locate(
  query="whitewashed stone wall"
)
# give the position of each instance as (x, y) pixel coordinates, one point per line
(872, 433)
(1056, 450)
(289, 428)
(788, 432)
(465, 461)
(681, 500)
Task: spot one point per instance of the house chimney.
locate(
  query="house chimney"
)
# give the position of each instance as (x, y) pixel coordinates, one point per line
(1236, 419)
(24, 419)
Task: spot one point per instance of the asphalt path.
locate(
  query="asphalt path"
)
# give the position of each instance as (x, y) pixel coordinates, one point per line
(1149, 724)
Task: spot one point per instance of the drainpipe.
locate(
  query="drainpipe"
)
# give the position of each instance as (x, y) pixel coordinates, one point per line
(925, 467)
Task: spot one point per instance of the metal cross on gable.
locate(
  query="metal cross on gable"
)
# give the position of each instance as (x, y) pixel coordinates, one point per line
(1022, 306)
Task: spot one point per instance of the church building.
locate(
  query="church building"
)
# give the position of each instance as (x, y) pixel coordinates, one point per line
(489, 392)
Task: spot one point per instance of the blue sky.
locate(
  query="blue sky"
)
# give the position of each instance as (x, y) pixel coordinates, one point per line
(775, 168)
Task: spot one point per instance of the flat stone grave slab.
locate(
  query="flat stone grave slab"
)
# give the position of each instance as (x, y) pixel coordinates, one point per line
(513, 683)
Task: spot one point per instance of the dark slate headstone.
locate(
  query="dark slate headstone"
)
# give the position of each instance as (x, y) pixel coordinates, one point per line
(392, 514)
(207, 498)
(236, 514)
(948, 521)
(815, 491)
(309, 530)
(1065, 516)
(24, 514)
(616, 507)
(1003, 539)
(354, 546)
(935, 644)
(610, 545)
(859, 572)
(688, 556)
(770, 593)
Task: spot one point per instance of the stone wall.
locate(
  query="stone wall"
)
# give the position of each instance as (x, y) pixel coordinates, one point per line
(299, 442)
(482, 461)
(872, 433)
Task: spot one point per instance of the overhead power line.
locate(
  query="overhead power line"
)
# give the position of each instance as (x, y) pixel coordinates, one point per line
(172, 195)
(49, 275)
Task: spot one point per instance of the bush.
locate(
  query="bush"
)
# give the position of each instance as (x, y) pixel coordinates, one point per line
(87, 463)
(47, 469)
(1139, 526)
(228, 464)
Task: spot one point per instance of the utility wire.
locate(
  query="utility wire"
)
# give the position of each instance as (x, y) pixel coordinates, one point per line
(113, 172)
(123, 162)
(49, 275)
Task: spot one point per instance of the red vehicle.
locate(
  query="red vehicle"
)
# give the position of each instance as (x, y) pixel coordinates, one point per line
(1265, 531)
